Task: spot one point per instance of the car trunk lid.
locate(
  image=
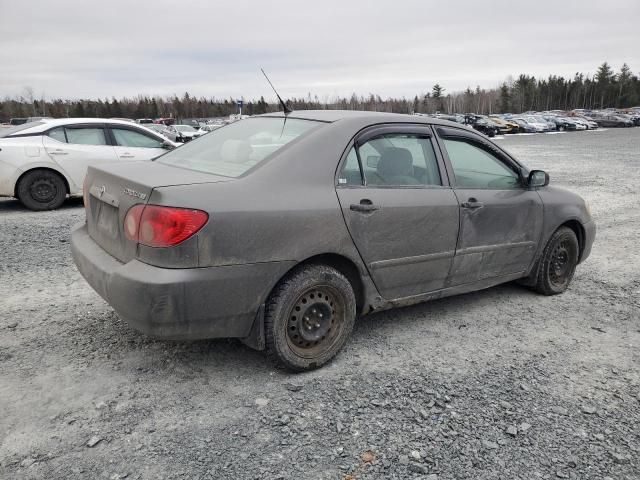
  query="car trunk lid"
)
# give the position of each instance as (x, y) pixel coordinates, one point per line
(112, 190)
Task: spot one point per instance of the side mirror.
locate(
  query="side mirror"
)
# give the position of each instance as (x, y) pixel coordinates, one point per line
(168, 145)
(372, 161)
(538, 178)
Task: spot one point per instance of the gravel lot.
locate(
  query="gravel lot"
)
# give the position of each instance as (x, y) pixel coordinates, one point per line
(501, 383)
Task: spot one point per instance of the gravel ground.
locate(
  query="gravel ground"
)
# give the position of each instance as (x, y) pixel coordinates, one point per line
(501, 383)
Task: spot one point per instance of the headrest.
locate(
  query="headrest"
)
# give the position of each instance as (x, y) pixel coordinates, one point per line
(395, 162)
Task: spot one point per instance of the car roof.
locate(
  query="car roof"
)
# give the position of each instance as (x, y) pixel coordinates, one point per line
(374, 117)
(46, 124)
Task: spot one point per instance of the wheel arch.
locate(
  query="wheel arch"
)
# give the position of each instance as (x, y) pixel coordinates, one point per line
(53, 170)
(341, 263)
(578, 229)
(256, 340)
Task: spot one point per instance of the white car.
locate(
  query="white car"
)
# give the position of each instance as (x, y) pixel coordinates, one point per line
(43, 162)
(182, 133)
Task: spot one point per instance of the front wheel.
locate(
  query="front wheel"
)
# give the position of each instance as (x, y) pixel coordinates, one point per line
(309, 317)
(558, 262)
(41, 190)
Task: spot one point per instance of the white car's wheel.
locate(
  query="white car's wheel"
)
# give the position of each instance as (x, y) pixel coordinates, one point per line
(41, 190)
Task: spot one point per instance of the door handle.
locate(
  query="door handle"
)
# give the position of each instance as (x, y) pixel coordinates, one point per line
(58, 152)
(127, 155)
(365, 206)
(472, 203)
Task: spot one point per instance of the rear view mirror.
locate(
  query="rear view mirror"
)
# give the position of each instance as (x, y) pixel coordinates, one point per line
(538, 178)
(372, 161)
(167, 145)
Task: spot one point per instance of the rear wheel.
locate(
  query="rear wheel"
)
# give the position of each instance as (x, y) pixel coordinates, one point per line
(558, 262)
(309, 317)
(41, 190)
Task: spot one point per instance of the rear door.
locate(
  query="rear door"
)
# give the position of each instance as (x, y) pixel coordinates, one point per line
(135, 144)
(500, 218)
(75, 147)
(399, 208)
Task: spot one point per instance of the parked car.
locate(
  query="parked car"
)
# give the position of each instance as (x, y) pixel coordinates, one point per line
(606, 120)
(560, 123)
(157, 127)
(43, 162)
(144, 121)
(209, 127)
(482, 124)
(588, 122)
(506, 126)
(182, 133)
(528, 126)
(280, 230)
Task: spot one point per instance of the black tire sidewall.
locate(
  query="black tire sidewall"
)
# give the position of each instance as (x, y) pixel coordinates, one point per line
(544, 284)
(281, 303)
(24, 194)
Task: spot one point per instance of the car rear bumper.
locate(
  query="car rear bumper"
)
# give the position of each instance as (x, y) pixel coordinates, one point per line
(589, 238)
(185, 303)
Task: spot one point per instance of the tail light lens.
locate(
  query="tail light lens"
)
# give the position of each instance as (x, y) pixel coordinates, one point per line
(159, 226)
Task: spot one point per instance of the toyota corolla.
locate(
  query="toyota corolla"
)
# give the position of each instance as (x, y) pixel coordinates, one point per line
(281, 229)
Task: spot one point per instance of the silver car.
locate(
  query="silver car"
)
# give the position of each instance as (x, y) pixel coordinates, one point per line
(281, 230)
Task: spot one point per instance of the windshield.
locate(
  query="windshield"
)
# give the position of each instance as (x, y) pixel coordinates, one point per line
(5, 132)
(184, 128)
(232, 150)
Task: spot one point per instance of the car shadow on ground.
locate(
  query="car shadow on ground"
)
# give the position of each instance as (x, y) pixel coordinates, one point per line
(233, 357)
(12, 205)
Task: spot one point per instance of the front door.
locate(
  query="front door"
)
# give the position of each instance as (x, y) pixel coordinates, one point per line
(500, 218)
(400, 211)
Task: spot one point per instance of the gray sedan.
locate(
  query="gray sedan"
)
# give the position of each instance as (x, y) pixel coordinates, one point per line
(281, 230)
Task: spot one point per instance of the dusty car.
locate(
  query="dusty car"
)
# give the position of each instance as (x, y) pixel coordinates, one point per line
(280, 230)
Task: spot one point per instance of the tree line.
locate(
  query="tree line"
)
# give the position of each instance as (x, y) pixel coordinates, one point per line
(606, 88)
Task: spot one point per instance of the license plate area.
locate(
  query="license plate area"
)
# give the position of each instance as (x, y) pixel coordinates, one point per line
(107, 220)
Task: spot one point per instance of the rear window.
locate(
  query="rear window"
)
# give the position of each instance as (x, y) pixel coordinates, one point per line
(232, 150)
(5, 132)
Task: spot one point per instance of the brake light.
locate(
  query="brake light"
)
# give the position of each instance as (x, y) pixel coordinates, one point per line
(159, 226)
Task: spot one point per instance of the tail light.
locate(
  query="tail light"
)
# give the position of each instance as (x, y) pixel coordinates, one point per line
(159, 226)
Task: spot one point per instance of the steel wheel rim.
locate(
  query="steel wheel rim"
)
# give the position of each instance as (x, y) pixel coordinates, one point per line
(43, 190)
(315, 321)
(560, 266)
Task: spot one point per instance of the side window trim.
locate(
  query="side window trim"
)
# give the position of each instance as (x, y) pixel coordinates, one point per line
(112, 136)
(421, 129)
(481, 145)
(444, 133)
(453, 133)
(81, 125)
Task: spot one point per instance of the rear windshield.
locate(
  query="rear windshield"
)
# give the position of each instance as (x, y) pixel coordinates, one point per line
(5, 132)
(232, 150)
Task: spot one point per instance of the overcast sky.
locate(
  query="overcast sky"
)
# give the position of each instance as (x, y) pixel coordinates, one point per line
(87, 48)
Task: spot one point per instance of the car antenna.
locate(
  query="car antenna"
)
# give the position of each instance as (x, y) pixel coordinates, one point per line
(286, 109)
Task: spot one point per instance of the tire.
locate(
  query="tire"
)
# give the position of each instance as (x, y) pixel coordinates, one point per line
(557, 263)
(42, 190)
(309, 317)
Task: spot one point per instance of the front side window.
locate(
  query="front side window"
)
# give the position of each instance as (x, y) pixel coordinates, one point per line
(393, 159)
(474, 167)
(130, 138)
(86, 135)
(232, 150)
